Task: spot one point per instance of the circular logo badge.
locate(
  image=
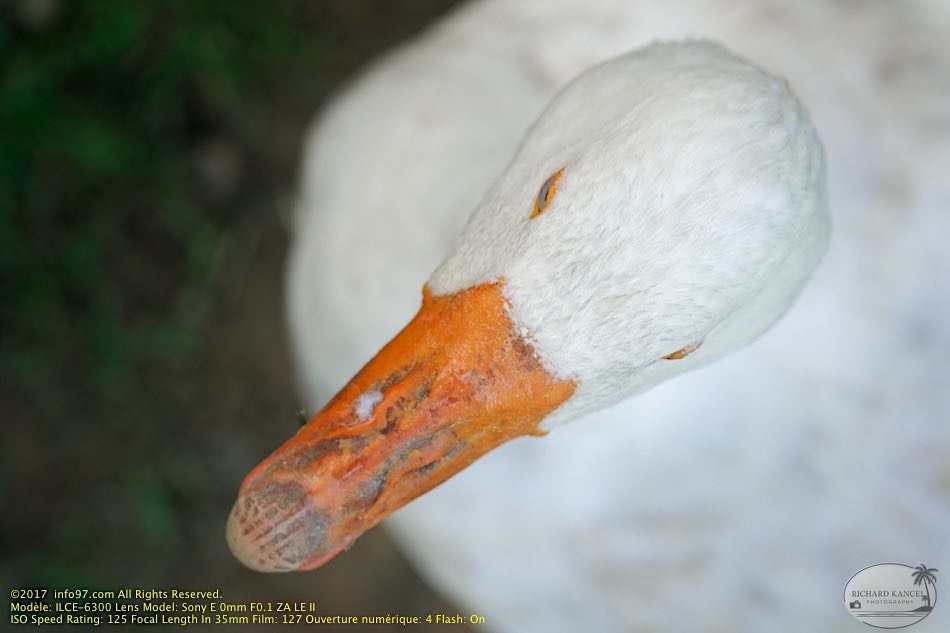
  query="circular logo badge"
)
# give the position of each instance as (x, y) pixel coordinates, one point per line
(891, 595)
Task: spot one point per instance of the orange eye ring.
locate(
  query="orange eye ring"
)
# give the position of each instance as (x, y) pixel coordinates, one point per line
(546, 194)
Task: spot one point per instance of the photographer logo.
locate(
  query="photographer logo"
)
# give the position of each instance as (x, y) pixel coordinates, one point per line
(892, 595)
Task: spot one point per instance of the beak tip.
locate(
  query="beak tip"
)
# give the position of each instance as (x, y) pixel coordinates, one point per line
(274, 529)
(242, 547)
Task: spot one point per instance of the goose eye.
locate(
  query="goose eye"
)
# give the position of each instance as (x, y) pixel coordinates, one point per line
(684, 352)
(546, 194)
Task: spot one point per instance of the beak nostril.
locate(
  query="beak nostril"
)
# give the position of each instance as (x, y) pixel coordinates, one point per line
(275, 528)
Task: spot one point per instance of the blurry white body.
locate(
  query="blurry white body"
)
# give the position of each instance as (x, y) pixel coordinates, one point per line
(738, 497)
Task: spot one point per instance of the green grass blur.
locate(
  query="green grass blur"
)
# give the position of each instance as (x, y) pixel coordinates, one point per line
(99, 105)
(148, 151)
(109, 239)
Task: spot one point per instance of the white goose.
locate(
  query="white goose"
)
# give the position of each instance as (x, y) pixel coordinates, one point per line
(685, 212)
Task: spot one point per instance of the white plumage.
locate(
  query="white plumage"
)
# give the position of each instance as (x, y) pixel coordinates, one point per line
(738, 497)
(691, 209)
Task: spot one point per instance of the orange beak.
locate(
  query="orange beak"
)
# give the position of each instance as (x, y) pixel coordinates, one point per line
(454, 384)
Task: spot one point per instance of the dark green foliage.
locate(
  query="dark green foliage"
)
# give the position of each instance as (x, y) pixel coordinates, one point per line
(99, 107)
(143, 364)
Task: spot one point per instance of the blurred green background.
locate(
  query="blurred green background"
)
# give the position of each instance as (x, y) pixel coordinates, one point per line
(148, 155)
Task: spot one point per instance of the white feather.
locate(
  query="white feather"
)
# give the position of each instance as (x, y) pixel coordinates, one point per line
(739, 497)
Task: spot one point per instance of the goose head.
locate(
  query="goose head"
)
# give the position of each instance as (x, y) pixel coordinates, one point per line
(663, 211)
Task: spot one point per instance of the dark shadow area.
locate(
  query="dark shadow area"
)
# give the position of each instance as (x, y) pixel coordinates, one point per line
(148, 154)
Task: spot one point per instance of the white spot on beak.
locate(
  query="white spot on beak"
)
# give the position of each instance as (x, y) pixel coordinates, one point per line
(365, 403)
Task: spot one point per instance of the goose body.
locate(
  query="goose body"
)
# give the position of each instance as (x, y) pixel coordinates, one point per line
(742, 495)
